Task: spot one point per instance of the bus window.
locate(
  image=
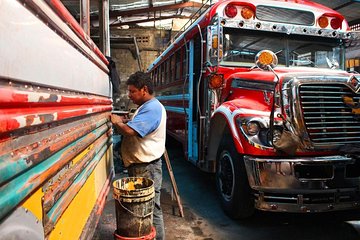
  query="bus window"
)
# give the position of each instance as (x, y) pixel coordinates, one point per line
(240, 48)
(184, 63)
(172, 68)
(163, 74)
(177, 66)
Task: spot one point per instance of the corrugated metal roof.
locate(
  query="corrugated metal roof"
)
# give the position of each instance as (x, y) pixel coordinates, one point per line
(149, 12)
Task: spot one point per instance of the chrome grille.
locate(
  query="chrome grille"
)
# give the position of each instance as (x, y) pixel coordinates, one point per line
(327, 118)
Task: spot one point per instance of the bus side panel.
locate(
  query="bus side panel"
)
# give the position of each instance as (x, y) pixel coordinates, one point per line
(55, 135)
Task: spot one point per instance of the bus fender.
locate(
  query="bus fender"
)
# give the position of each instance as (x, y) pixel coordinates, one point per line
(221, 125)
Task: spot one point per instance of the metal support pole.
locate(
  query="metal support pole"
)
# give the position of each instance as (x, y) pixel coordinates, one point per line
(104, 27)
(85, 15)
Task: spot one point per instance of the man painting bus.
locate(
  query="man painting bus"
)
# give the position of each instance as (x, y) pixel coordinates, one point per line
(143, 141)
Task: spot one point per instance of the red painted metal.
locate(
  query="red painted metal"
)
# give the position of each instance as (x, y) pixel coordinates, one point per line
(17, 96)
(12, 119)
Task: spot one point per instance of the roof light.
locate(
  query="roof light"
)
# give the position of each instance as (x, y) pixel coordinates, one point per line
(335, 23)
(247, 13)
(323, 22)
(216, 81)
(230, 11)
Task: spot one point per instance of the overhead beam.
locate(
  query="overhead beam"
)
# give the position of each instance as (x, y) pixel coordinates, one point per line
(146, 20)
(130, 12)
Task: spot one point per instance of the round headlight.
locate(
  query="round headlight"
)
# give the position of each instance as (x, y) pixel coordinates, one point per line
(252, 128)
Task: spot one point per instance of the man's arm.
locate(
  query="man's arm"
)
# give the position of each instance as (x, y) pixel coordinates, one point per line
(119, 123)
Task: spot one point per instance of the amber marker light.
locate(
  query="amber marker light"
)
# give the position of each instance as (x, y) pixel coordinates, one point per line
(230, 11)
(323, 22)
(247, 13)
(215, 42)
(216, 81)
(265, 59)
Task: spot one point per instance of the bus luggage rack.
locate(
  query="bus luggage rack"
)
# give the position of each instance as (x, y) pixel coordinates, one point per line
(328, 119)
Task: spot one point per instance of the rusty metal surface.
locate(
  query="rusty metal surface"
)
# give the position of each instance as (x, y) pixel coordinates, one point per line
(60, 206)
(15, 191)
(33, 149)
(60, 185)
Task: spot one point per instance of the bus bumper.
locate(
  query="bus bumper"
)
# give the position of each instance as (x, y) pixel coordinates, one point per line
(305, 184)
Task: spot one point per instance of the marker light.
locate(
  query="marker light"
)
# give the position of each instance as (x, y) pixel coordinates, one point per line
(215, 81)
(247, 13)
(230, 11)
(335, 23)
(215, 42)
(266, 58)
(323, 22)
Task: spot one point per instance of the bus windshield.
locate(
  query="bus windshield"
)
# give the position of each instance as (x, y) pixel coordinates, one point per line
(240, 48)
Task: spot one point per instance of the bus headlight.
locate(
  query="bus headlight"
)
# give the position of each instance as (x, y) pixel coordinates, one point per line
(252, 128)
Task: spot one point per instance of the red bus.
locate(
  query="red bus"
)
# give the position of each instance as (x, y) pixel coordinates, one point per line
(280, 127)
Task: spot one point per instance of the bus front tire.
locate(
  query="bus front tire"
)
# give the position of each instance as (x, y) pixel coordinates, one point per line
(232, 183)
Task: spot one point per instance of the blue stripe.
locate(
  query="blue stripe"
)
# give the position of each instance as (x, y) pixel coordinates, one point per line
(174, 97)
(177, 109)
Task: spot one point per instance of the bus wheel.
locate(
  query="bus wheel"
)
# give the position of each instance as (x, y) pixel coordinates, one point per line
(232, 183)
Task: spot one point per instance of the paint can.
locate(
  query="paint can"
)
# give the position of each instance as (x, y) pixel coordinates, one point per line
(134, 203)
(150, 236)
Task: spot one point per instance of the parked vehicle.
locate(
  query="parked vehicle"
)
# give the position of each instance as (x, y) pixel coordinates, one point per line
(257, 93)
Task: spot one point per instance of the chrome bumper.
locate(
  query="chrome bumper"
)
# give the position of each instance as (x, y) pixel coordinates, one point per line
(305, 184)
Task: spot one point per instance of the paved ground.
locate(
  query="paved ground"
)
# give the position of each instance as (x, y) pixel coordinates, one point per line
(204, 219)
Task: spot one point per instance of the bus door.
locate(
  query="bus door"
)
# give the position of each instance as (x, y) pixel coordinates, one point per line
(192, 123)
(199, 102)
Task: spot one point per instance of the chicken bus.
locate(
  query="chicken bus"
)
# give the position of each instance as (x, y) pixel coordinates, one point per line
(55, 136)
(257, 93)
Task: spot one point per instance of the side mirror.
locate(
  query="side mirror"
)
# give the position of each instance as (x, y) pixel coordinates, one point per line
(214, 44)
(266, 60)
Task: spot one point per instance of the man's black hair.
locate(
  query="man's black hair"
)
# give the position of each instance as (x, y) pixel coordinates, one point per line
(140, 80)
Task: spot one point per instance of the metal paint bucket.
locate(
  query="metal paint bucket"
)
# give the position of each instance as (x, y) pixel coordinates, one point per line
(134, 203)
(150, 236)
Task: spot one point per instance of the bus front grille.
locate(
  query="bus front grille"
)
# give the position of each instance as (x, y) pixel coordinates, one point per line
(331, 113)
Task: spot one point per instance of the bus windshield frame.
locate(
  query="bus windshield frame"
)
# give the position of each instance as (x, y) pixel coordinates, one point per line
(240, 47)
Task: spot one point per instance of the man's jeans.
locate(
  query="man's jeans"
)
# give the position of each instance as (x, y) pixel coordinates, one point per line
(153, 171)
